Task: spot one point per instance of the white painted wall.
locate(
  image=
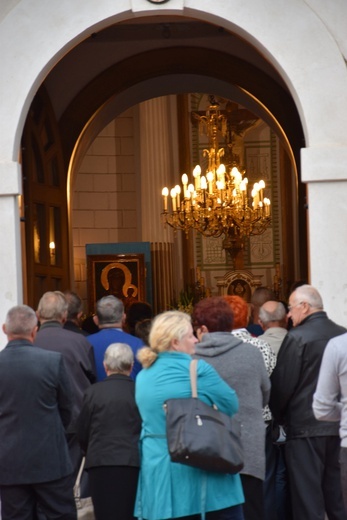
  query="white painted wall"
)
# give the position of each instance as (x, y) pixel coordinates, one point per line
(304, 45)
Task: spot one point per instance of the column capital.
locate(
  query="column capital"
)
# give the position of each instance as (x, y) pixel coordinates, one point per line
(10, 178)
(324, 164)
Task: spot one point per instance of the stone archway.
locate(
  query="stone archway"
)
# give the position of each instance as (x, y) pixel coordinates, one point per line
(295, 55)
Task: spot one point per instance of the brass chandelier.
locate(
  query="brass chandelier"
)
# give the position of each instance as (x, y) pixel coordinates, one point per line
(218, 202)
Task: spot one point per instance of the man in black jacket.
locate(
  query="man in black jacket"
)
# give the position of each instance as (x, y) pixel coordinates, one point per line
(35, 407)
(312, 447)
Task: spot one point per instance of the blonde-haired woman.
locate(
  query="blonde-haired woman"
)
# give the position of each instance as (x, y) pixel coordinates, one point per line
(166, 489)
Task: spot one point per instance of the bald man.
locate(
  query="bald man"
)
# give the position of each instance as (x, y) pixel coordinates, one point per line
(312, 447)
(273, 320)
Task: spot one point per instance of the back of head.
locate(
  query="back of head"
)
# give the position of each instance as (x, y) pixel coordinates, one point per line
(273, 312)
(240, 310)
(119, 357)
(75, 306)
(261, 295)
(214, 313)
(308, 293)
(166, 328)
(138, 311)
(142, 330)
(52, 306)
(20, 321)
(109, 310)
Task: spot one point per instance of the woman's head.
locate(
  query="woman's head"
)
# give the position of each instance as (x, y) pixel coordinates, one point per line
(171, 330)
(214, 313)
(239, 309)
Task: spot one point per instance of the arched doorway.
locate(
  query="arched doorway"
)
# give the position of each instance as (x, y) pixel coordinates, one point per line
(176, 69)
(299, 56)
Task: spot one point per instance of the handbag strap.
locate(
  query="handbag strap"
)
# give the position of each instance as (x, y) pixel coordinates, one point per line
(77, 485)
(193, 383)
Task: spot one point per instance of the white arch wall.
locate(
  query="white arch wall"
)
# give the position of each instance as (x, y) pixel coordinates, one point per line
(301, 43)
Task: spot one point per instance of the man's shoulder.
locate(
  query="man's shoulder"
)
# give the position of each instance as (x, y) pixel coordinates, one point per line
(60, 336)
(31, 352)
(118, 335)
(316, 326)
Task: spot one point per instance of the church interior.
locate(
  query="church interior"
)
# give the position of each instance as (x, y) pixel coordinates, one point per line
(116, 120)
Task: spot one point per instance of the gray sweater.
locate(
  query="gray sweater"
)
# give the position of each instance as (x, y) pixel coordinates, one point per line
(242, 366)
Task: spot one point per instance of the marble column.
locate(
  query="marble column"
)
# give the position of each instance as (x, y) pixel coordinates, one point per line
(159, 168)
(159, 163)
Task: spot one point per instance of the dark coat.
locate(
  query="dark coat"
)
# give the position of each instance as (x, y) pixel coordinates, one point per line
(35, 405)
(70, 325)
(78, 356)
(295, 377)
(109, 425)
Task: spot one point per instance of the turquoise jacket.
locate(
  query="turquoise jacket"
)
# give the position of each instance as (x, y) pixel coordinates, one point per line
(167, 489)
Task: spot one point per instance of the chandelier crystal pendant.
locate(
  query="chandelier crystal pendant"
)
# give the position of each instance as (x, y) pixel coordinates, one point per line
(220, 201)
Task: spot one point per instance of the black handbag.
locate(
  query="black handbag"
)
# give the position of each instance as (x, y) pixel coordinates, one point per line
(199, 435)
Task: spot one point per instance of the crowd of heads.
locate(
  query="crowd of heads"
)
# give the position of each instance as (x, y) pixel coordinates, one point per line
(215, 313)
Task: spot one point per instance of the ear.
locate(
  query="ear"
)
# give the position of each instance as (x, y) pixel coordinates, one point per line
(33, 333)
(4, 329)
(174, 343)
(96, 320)
(201, 331)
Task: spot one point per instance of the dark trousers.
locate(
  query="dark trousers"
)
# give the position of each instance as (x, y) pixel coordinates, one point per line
(343, 466)
(276, 488)
(55, 499)
(283, 505)
(253, 489)
(113, 491)
(314, 478)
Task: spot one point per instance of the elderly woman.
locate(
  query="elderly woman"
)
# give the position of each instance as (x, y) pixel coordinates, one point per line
(240, 311)
(166, 489)
(241, 365)
(109, 428)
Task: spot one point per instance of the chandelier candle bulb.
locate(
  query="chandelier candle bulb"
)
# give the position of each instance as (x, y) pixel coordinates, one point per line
(165, 193)
(185, 184)
(196, 175)
(210, 177)
(173, 199)
(221, 173)
(178, 196)
(267, 207)
(261, 188)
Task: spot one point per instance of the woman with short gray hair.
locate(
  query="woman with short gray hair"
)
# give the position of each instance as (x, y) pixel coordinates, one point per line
(108, 430)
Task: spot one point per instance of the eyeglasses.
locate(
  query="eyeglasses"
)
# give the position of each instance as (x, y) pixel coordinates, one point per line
(290, 307)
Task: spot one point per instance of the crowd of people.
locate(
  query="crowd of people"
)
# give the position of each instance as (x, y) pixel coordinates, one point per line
(71, 393)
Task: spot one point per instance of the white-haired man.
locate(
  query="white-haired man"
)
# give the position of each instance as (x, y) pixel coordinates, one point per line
(312, 447)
